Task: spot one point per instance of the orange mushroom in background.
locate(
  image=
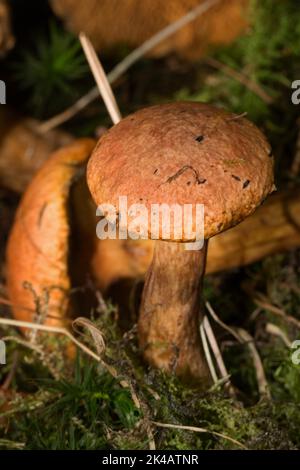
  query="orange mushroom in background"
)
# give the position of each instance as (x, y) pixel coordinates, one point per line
(38, 248)
(23, 150)
(137, 21)
(7, 40)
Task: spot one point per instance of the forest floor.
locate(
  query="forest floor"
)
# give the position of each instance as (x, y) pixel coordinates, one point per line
(48, 402)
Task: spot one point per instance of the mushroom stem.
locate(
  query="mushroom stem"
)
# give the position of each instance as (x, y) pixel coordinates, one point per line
(170, 311)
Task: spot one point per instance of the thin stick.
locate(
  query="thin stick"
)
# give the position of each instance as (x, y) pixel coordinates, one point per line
(126, 63)
(221, 323)
(217, 353)
(244, 337)
(197, 429)
(100, 78)
(208, 355)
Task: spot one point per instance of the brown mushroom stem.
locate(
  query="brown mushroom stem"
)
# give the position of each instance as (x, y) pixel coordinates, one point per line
(170, 311)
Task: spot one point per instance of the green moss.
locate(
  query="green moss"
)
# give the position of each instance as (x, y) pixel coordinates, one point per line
(50, 71)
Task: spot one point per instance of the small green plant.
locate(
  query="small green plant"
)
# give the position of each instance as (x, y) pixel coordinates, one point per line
(50, 71)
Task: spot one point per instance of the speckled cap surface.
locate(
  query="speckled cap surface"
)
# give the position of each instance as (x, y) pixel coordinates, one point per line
(184, 153)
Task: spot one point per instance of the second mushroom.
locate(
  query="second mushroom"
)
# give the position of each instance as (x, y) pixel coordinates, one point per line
(178, 155)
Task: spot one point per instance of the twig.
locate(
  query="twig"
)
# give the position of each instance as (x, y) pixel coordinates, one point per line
(126, 63)
(221, 323)
(244, 337)
(208, 355)
(240, 77)
(197, 429)
(100, 78)
(217, 353)
(260, 373)
(276, 331)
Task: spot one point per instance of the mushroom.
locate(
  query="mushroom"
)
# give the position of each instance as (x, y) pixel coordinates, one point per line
(39, 245)
(7, 40)
(180, 153)
(137, 21)
(23, 149)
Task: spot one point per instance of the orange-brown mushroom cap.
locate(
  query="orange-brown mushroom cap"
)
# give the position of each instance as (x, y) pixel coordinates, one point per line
(184, 153)
(38, 246)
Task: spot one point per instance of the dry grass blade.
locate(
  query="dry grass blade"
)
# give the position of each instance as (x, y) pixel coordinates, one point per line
(218, 384)
(152, 445)
(217, 353)
(221, 323)
(100, 78)
(244, 337)
(94, 332)
(126, 63)
(12, 445)
(202, 430)
(276, 331)
(260, 373)
(208, 357)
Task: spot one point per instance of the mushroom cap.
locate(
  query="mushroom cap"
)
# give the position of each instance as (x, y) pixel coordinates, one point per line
(38, 248)
(184, 153)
